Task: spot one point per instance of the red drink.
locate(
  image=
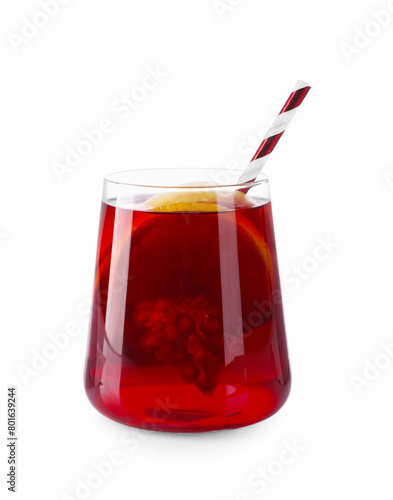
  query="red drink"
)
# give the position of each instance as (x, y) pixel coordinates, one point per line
(187, 330)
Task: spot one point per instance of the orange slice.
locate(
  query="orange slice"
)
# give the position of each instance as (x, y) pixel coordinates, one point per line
(198, 201)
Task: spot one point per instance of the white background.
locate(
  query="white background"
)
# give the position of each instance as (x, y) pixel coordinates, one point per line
(331, 177)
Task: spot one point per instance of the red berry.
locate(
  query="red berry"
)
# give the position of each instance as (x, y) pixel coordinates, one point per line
(143, 313)
(189, 372)
(185, 323)
(150, 343)
(194, 347)
(210, 326)
(165, 353)
(206, 386)
(170, 332)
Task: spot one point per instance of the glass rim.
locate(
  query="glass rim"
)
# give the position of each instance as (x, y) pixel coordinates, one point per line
(113, 178)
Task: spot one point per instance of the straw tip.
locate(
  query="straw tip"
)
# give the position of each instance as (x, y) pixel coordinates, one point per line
(301, 84)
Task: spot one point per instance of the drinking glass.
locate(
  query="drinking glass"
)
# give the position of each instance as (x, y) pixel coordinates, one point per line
(187, 329)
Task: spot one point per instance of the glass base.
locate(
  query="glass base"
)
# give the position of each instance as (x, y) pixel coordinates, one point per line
(230, 407)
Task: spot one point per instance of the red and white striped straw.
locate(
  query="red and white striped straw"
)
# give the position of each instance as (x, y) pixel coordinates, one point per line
(275, 132)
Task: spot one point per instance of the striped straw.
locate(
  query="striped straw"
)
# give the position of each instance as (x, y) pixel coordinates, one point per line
(275, 132)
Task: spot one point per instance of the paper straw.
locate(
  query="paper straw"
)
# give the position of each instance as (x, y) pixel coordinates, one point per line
(275, 132)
